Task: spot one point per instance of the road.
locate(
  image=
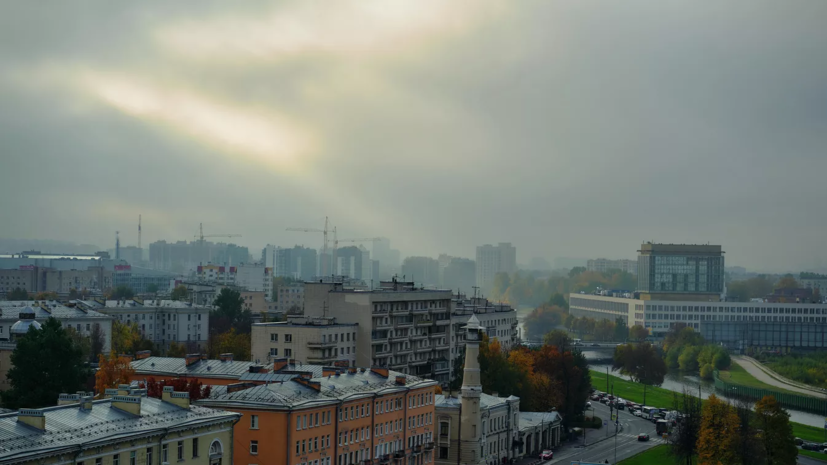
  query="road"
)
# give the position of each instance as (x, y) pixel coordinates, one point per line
(627, 443)
(756, 371)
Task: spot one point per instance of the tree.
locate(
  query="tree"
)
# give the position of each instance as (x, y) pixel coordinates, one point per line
(230, 342)
(641, 362)
(638, 333)
(124, 337)
(112, 371)
(751, 288)
(229, 313)
(749, 450)
(787, 282)
(558, 300)
(685, 436)
(604, 330)
(121, 293)
(192, 386)
(46, 296)
(74, 294)
(84, 343)
(718, 434)
(97, 339)
(576, 271)
(152, 288)
(621, 331)
(17, 294)
(776, 432)
(557, 338)
(542, 320)
(45, 363)
(176, 350)
(496, 374)
(688, 360)
(179, 293)
(457, 369)
(568, 375)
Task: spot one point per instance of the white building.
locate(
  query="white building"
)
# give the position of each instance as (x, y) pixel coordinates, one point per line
(161, 321)
(255, 278)
(318, 341)
(81, 319)
(493, 259)
(289, 296)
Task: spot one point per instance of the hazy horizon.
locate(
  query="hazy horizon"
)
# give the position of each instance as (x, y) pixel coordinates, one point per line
(567, 129)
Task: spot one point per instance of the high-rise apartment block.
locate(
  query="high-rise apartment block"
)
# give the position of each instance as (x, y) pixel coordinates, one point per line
(493, 259)
(421, 270)
(680, 272)
(297, 262)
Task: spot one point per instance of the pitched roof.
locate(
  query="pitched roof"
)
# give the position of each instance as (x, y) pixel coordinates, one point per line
(69, 427)
(10, 310)
(530, 420)
(236, 369)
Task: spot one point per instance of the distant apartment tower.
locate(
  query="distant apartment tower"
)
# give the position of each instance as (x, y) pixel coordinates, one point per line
(493, 259)
(603, 265)
(296, 262)
(421, 270)
(460, 274)
(354, 262)
(388, 259)
(680, 272)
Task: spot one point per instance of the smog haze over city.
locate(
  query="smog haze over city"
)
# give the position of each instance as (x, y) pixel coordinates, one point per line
(568, 128)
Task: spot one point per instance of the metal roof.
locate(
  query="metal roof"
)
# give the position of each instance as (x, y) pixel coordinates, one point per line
(530, 420)
(178, 366)
(69, 427)
(43, 309)
(267, 377)
(486, 401)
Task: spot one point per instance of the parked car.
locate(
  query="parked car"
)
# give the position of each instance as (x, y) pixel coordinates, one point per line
(588, 404)
(642, 437)
(547, 455)
(604, 400)
(811, 446)
(595, 345)
(620, 406)
(637, 413)
(594, 397)
(798, 441)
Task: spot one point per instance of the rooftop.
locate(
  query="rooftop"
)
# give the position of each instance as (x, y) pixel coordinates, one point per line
(230, 369)
(68, 427)
(115, 305)
(486, 401)
(530, 420)
(43, 309)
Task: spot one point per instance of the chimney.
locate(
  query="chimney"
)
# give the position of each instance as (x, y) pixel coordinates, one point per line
(66, 399)
(380, 371)
(315, 385)
(328, 371)
(110, 393)
(129, 404)
(352, 370)
(32, 417)
(86, 403)
(166, 394)
(193, 358)
(181, 399)
(228, 357)
(124, 389)
(278, 364)
(142, 354)
(401, 380)
(255, 368)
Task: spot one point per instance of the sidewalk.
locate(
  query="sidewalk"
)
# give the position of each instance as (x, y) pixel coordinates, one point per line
(765, 375)
(592, 437)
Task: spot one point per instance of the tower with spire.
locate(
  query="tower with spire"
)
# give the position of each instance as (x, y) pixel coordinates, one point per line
(471, 429)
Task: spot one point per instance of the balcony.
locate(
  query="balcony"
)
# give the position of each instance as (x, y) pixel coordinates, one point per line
(379, 341)
(441, 369)
(318, 359)
(385, 458)
(407, 350)
(424, 323)
(400, 312)
(403, 324)
(434, 335)
(400, 454)
(420, 310)
(420, 350)
(429, 445)
(415, 363)
(443, 322)
(418, 337)
(417, 449)
(321, 345)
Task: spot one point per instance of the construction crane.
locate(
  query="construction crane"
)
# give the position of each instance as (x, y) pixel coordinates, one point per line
(364, 239)
(324, 232)
(201, 235)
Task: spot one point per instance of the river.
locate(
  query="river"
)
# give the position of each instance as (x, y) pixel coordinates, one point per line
(678, 381)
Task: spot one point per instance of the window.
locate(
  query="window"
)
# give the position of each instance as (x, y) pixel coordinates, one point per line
(180, 451)
(164, 453)
(274, 338)
(253, 421)
(274, 352)
(299, 423)
(148, 456)
(132, 458)
(253, 447)
(99, 461)
(116, 459)
(288, 338)
(194, 447)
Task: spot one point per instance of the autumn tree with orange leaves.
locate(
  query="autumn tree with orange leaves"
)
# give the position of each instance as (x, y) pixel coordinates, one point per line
(112, 371)
(719, 435)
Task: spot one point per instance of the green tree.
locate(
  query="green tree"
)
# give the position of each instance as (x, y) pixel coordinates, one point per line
(121, 293)
(751, 288)
(542, 320)
(787, 282)
(776, 432)
(640, 362)
(459, 365)
(74, 294)
(97, 339)
(638, 333)
(684, 440)
(230, 342)
(229, 313)
(83, 343)
(45, 363)
(176, 350)
(46, 296)
(559, 300)
(496, 374)
(17, 294)
(152, 288)
(576, 271)
(179, 293)
(124, 337)
(557, 338)
(621, 331)
(688, 360)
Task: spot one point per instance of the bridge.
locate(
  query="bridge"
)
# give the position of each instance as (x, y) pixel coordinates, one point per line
(594, 351)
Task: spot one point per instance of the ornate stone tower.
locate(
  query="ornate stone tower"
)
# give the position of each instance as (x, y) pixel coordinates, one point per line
(469, 447)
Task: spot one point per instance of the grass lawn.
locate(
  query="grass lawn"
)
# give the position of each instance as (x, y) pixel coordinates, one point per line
(738, 375)
(657, 454)
(655, 396)
(813, 454)
(662, 398)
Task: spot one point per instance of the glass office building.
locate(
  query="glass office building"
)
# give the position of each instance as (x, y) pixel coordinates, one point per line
(680, 269)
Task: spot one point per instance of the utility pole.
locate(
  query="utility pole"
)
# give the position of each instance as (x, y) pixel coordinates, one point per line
(617, 421)
(139, 234)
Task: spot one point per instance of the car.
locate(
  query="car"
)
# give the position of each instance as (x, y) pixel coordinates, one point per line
(798, 441)
(604, 400)
(811, 446)
(642, 437)
(594, 397)
(547, 455)
(620, 406)
(588, 404)
(595, 345)
(637, 413)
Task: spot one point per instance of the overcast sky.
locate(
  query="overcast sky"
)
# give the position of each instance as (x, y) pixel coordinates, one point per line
(569, 128)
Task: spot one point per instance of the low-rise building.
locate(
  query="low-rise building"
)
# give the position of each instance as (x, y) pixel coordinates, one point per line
(602, 265)
(79, 318)
(816, 282)
(34, 279)
(340, 417)
(289, 298)
(125, 429)
(160, 321)
(313, 340)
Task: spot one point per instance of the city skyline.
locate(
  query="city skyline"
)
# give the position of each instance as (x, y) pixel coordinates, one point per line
(563, 128)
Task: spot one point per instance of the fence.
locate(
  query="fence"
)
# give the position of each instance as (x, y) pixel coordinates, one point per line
(795, 401)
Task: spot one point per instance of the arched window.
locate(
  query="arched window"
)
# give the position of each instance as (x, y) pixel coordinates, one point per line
(216, 452)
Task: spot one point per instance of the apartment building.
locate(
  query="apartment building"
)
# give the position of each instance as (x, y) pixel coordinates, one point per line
(127, 428)
(340, 417)
(80, 319)
(498, 320)
(255, 278)
(493, 259)
(160, 321)
(400, 326)
(290, 297)
(34, 279)
(314, 340)
(602, 265)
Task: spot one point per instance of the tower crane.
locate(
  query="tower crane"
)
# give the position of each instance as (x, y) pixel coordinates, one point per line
(200, 236)
(324, 232)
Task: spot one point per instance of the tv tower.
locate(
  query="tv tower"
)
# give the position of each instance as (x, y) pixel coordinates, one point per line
(139, 231)
(117, 245)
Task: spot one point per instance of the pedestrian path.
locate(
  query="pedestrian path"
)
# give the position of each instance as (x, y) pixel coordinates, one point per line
(762, 373)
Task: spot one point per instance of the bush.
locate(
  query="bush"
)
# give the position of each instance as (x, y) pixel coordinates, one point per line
(688, 360)
(707, 371)
(722, 360)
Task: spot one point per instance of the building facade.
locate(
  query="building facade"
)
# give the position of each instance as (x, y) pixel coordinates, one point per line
(400, 326)
(34, 279)
(127, 428)
(498, 320)
(680, 272)
(460, 275)
(297, 262)
(493, 259)
(816, 282)
(736, 324)
(255, 278)
(313, 340)
(340, 417)
(80, 319)
(423, 271)
(602, 265)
